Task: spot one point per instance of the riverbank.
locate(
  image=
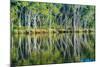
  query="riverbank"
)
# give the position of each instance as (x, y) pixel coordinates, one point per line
(31, 31)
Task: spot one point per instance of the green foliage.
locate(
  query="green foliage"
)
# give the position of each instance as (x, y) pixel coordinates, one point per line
(60, 15)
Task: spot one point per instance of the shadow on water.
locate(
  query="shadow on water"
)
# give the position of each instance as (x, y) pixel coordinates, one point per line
(52, 48)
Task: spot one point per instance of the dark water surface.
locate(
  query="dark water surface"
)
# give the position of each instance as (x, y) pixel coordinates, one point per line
(52, 48)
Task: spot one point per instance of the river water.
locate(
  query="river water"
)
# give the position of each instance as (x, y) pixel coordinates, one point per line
(36, 49)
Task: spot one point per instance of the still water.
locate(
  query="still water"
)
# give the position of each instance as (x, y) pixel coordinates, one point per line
(52, 48)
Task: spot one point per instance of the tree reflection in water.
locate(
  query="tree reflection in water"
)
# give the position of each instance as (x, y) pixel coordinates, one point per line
(52, 48)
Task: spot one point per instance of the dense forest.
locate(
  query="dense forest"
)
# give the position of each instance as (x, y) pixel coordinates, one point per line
(30, 16)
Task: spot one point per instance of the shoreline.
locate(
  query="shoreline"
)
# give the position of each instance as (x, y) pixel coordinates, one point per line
(39, 31)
